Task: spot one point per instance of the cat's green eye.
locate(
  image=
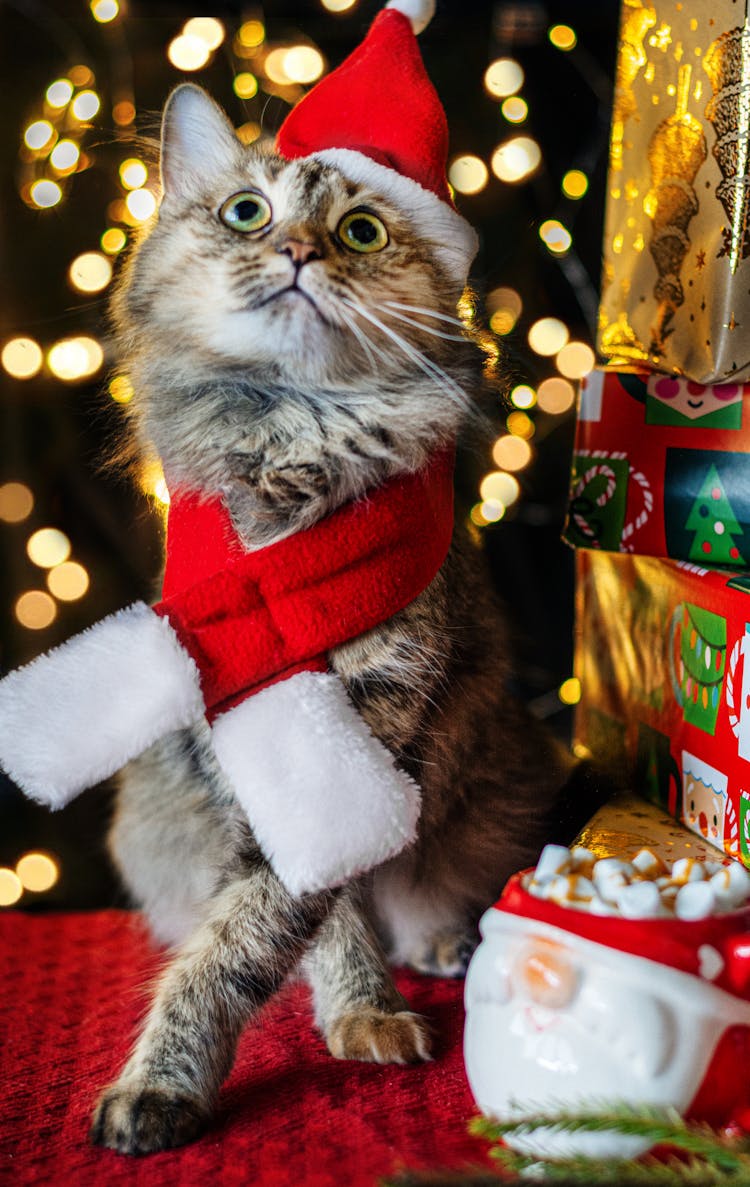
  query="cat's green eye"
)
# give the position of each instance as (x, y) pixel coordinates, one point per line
(362, 231)
(246, 212)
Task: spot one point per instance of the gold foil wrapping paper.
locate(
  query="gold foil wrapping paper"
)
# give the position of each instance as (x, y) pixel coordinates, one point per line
(676, 285)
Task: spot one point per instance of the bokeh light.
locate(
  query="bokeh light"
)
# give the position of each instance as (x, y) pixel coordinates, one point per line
(38, 135)
(188, 52)
(123, 112)
(523, 396)
(104, 11)
(504, 306)
(575, 360)
(48, 547)
(251, 34)
(548, 335)
(575, 183)
(85, 105)
(515, 109)
(22, 358)
(520, 425)
(68, 581)
(37, 872)
(516, 159)
(245, 85)
(140, 204)
(303, 64)
(569, 691)
(500, 486)
(121, 389)
(113, 240)
(16, 502)
(90, 272)
(75, 358)
(338, 5)
(503, 77)
(59, 92)
(207, 29)
(562, 37)
(468, 174)
(133, 174)
(511, 452)
(11, 888)
(45, 193)
(35, 610)
(65, 155)
(555, 236)
(556, 396)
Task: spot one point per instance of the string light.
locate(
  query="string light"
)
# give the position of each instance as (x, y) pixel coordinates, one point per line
(245, 85)
(59, 93)
(123, 113)
(38, 135)
(575, 183)
(104, 11)
(515, 109)
(45, 193)
(10, 887)
(489, 511)
(338, 5)
(90, 272)
(562, 37)
(85, 105)
(523, 396)
(68, 581)
(80, 76)
(548, 335)
(37, 872)
(575, 360)
(133, 174)
(503, 77)
(207, 29)
(569, 691)
(113, 240)
(555, 236)
(516, 159)
(499, 486)
(65, 156)
(249, 132)
(468, 174)
(22, 358)
(188, 52)
(140, 204)
(35, 610)
(520, 425)
(511, 453)
(504, 306)
(71, 359)
(48, 547)
(121, 389)
(16, 502)
(251, 34)
(303, 64)
(556, 396)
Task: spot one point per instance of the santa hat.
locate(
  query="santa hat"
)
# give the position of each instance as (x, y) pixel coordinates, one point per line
(716, 949)
(379, 121)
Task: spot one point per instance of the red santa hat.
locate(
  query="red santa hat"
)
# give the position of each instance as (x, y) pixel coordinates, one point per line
(716, 949)
(378, 119)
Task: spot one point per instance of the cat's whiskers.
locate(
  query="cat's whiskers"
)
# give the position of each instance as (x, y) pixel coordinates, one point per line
(454, 321)
(374, 355)
(419, 325)
(430, 368)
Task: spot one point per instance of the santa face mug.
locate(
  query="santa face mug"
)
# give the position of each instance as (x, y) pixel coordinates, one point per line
(571, 1011)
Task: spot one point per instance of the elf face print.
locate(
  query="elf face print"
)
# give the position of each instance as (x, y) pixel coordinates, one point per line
(674, 400)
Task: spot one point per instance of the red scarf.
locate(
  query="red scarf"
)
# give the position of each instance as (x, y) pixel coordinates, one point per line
(250, 619)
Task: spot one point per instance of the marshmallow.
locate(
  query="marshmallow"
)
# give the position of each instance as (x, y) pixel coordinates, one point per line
(554, 859)
(649, 864)
(639, 900)
(688, 869)
(695, 900)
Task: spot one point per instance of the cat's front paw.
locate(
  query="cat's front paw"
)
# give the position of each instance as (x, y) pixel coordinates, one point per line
(137, 1119)
(379, 1037)
(447, 954)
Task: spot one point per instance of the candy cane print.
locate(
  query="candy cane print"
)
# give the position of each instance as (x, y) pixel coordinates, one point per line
(738, 704)
(731, 831)
(648, 506)
(734, 720)
(593, 472)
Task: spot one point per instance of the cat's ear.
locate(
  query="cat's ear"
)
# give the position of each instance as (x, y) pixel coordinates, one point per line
(198, 144)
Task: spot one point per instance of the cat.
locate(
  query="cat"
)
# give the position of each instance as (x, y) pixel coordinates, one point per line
(292, 340)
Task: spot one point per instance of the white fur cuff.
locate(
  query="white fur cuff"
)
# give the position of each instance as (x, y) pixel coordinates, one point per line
(323, 795)
(77, 714)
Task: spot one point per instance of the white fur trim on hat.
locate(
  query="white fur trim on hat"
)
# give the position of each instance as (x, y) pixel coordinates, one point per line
(419, 12)
(455, 241)
(323, 795)
(76, 715)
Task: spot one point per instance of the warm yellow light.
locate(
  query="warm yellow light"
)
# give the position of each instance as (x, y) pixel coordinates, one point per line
(523, 396)
(10, 887)
(503, 77)
(75, 358)
(121, 389)
(37, 872)
(569, 691)
(252, 34)
(520, 425)
(113, 240)
(80, 76)
(338, 5)
(548, 335)
(275, 67)
(48, 547)
(85, 105)
(16, 502)
(562, 37)
(557, 237)
(556, 396)
(504, 306)
(104, 11)
(35, 610)
(502, 321)
(515, 109)
(249, 132)
(65, 155)
(154, 483)
(245, 85)
(68, 581)
(207, 29)
(90, 272)
(468, 174)
(499, 486)
(188, 53)
(516, 159)
(140, 204)
(133, 174)
(575, 183)
(38, 135)
(45, 193)
(22, 358)
(511, 453)
(303, 64)
(59, 92)
(123, 113)
(575, 360)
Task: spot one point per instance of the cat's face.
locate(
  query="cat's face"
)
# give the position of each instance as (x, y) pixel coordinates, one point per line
(256, 260)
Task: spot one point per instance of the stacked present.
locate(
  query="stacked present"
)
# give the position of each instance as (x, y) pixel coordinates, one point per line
(660, 497)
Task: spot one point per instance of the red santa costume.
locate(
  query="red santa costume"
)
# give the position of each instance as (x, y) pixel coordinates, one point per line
(243, 637)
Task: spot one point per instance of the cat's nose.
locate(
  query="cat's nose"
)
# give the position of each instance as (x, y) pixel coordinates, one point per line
(299, 252)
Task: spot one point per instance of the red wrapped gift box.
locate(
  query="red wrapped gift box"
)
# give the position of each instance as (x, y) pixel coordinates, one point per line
(663, 656)
(661, 467)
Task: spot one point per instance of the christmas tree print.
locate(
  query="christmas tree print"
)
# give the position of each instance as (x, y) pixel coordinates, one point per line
(714, 525)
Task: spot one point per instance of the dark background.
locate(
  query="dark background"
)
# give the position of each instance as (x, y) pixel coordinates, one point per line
(54, 436)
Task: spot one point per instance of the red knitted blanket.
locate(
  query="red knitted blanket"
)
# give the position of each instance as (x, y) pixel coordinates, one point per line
(73, 988)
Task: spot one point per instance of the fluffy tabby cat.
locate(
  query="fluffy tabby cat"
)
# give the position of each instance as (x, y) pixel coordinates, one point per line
(292, 339)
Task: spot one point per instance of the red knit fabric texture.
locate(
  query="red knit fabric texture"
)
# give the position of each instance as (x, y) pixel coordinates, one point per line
(379, 102)
(247, 618)
(73, 989)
